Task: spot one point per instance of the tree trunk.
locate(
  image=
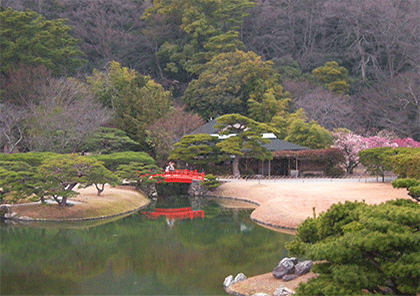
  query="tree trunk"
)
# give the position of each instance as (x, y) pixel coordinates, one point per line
(63, 201)
(235, 166)
(100, 189)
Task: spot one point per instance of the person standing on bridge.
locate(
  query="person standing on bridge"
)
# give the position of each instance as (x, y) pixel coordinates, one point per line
(170, 167)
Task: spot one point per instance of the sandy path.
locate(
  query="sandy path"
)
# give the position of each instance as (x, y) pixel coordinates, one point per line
(287, 204)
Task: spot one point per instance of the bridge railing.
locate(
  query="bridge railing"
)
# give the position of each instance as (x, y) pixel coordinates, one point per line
(185, 173)
(179, 175)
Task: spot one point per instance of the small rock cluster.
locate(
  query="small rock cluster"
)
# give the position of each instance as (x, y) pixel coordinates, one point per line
(290, 268)
(280, 291)
(230, 280)
(197, 188)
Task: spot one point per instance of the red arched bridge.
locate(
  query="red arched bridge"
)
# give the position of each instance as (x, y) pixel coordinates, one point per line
(178, 213)
(180, 176)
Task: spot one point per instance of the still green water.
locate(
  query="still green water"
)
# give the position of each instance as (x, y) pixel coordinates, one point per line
(137, 256)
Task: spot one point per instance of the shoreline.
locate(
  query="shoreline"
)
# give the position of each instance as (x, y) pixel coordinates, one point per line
(285, 205)
(115, 202)
(282, 206)
(279, 206)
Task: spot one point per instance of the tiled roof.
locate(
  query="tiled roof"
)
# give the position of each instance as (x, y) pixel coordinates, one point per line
(274, 145)
(280, 145)
(207, 128)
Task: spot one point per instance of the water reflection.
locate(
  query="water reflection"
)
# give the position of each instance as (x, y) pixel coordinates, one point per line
(138, 256)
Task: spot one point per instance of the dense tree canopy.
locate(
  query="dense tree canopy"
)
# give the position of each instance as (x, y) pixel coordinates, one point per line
(28, 38)
(333, 76)
(195, 32)
(204, 51)
(137, 100)
(235, 83)
(39, 175)
(109, 140)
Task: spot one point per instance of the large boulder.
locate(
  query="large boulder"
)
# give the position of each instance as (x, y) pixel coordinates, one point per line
(289, 277)
(286, 266)
(303, 267)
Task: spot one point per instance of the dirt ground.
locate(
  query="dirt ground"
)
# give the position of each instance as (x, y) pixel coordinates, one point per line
(86, 205)
(285, 205)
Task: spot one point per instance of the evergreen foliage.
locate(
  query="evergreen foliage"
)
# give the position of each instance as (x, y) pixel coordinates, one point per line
(333, 76)
(247, 139)
(375, 161)
(113, 160)
(362, 248)
(199, 151)
(28, 38)
(201, 30)
(137, 100)
(62, 173)
(235, 82)
(138, 173)
(109, 140)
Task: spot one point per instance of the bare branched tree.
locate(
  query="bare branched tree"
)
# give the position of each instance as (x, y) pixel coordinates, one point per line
(330, 110)
(393, 104)
(169, 129)
(11, 127)
(67, 115)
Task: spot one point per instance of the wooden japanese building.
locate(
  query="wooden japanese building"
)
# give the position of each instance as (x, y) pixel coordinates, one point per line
(288, 158)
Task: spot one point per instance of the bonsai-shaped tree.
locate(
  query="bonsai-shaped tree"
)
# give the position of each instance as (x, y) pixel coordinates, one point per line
(245, 138)
(63, 172)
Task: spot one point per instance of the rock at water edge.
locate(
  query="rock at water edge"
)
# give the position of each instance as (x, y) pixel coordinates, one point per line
(294, 260)
(303, 267)
(228, 281)
(283, 291)
(289, 277)
(284, 267)
(239, 278)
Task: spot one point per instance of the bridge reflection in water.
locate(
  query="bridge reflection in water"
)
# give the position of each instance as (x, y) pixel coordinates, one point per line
(175, 214)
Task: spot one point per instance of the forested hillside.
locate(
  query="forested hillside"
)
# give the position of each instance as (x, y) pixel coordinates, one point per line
(155, 70)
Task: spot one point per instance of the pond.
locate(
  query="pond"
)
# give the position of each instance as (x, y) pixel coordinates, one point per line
(135, 255)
